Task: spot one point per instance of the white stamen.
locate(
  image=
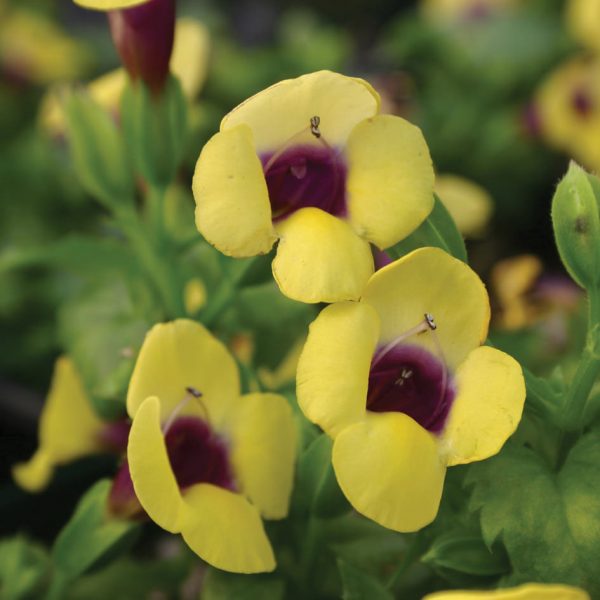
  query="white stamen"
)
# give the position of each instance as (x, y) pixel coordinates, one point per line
(192, 394)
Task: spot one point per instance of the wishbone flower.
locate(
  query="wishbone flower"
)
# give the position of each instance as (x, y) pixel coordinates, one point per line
(204, 461)
(401, 383)
(311, 163)
(527, 591)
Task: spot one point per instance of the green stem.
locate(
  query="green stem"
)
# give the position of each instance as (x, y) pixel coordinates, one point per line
(153, 260)
(155, 199)
(225, 293)
(309, 551)
(412, 554)
(588, 369)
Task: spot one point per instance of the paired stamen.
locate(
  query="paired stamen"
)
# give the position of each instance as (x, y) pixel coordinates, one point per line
(192, 394)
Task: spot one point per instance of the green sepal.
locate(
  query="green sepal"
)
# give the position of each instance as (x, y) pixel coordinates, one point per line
(358, 585)
(98, 151)
(23, 566)
(466, 552)
(576, 222)
(317, 488)
(547, 519)
(155, 128)
(438, 230)
(92, 537)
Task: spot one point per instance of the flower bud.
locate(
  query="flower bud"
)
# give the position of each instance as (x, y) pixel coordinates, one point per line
(144, 36)
(576, 221)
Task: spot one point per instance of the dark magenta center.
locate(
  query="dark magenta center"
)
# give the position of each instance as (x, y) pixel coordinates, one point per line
(582, 103)
(409, 379)
(196, 454)
(303, 176)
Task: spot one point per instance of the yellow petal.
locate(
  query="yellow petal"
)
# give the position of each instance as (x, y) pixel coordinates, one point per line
(333, 372)
(153, 479)
(389, 468)
(469, 204)
(487, 408)
(34, 475)
(263, 452)
(178, 355)
(429, 280)
(109, 4)
(528, 591)
(320, 258)
(225, 530)
(232, 201)
(390, 179)
(68, 428)
(283, 110)
(583, 20)
(189, 61)
(194, 295)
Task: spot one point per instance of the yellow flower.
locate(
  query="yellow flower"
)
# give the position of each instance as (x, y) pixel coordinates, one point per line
(34, 48)
(445, 11)
(309, 161)
(529, 591)
(204, 461)
(189, 63)
(583, 20)
(568, 105)
(69, 429)
(400, 382)
(468, 203)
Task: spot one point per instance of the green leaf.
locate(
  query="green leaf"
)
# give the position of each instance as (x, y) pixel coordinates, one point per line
(438, 230)
(219, 585)
(317, 488)
(548, 520)
(358, 585)
(466, 552)
(98, 151)
(23, 565)
(92, 537)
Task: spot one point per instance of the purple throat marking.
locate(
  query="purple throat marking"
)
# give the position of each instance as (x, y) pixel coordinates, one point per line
(196, 454)
(409, 379)
(303, 176)
(582, 103)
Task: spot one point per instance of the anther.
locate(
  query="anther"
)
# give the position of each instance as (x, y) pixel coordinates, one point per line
(314, 126)
(192, 394)
(430, 321)
(193, 391)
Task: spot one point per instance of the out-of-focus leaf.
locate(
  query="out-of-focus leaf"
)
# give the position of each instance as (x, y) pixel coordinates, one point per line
(437, 230)
(23, 565)
(92, 537)
(358, 585)
(219, 585)
(549, 521)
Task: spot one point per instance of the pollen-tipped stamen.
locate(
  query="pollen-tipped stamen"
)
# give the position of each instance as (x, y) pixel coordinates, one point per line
(192, 394)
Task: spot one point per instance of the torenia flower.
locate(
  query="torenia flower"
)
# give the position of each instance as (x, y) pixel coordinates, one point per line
(583, 20)
(69, 429)
(204, 461)
(189, 63)
(309, 161)
(568, 108)
(143, 32)
(468, 203)
(529, 591)
(401, 384)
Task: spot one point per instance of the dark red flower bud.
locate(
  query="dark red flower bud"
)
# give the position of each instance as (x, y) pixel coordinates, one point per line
(144, 36)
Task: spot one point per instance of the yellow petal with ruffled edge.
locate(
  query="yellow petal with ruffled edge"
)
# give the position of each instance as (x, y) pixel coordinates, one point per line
(320, 258)
(529, 591)
(333, 371)
(488, 406)
(68, 429)
(429, 280)
(390, 179)
(284, 110)
(153, 479)
(189, 61)
(225, 530)
(232, 201)
(183, 354)
(105, 5)
(263, 451)
(390, 470)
